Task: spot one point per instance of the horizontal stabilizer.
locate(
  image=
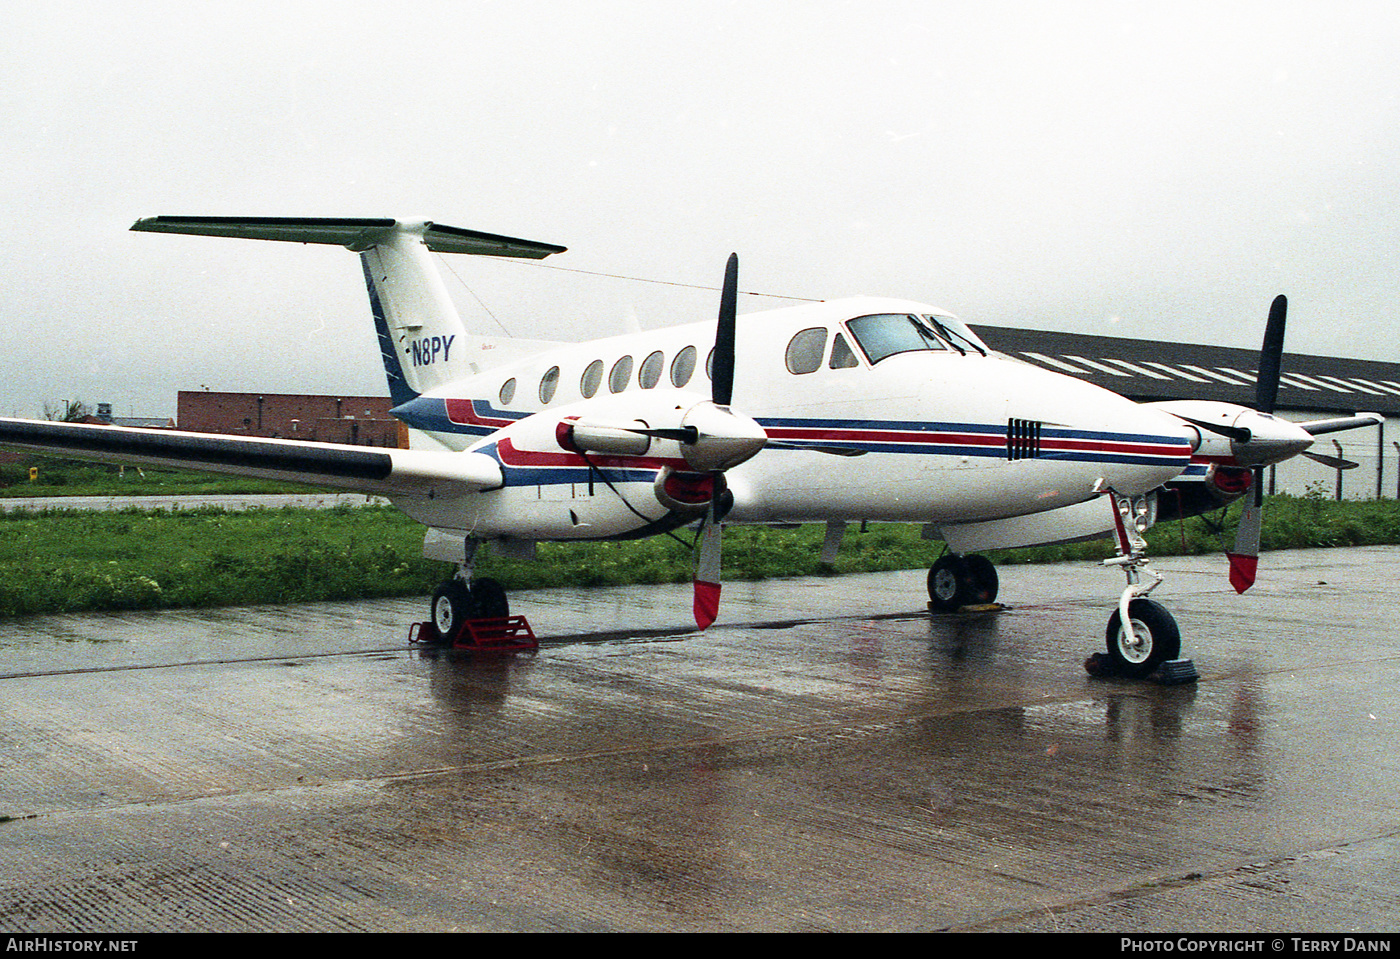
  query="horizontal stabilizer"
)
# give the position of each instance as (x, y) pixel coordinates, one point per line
(357, 468)
(354, 234)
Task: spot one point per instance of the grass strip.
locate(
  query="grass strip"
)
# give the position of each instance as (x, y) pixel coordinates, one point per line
(70, 561)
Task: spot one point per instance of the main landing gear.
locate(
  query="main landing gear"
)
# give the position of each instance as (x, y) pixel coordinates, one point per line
(957, 581)
(474, 613)
(455, 602)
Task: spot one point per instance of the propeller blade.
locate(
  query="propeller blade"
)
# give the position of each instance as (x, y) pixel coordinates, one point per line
(1237, 433)
(829, 450)
(1316, 427)
(1336, 462)
(1271, 356)
(685, 434)
(707, 571)
(723, 382)
(1244, 561)
(707, 564)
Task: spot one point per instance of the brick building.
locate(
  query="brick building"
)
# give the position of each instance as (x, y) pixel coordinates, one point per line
(352, 420)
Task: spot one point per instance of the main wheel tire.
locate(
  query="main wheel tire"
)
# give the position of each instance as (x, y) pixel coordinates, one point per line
(1154, 639)
(488, 600)
(451, 608)
(984, 579)
(950, 584)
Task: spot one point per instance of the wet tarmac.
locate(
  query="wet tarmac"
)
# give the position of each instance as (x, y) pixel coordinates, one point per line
(826, 757)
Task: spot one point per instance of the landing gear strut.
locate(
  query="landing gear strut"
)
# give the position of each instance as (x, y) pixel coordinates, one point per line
(1142, 637)
(957, 581)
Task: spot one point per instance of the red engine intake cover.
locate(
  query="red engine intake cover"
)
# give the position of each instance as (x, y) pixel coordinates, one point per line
(691, 489)
(1231, 480)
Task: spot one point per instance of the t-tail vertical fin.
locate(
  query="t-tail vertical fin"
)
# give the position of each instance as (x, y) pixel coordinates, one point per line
(421, 336)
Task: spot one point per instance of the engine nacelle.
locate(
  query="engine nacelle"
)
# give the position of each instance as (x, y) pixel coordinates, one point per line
(611, 467)
(1243, 436)
(582, 436)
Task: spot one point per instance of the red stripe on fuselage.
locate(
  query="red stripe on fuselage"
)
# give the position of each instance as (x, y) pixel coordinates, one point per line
(991, 440)
(1107, 446)
(463, 413)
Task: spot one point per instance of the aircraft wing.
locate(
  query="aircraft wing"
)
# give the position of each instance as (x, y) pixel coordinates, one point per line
(355, 468)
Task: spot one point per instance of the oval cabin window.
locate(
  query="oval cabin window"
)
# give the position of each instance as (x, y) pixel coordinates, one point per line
(650, 372)
(548, 384)
(592, 379)
(683, 367)
(620, 375)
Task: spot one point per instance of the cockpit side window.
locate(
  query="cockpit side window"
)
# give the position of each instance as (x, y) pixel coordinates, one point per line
(842, 357)
(806, 350)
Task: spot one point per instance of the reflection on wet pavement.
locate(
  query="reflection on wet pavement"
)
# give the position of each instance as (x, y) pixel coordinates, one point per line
(827, 757)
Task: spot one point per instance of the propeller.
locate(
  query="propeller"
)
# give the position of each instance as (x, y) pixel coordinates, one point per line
(1259, 439)
(714, 438)
(707, 565)
(1244, 560)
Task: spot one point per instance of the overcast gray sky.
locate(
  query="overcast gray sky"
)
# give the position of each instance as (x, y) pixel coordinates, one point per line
(1132, 169)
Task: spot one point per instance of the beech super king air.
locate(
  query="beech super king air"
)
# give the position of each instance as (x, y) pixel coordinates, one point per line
(831, 412)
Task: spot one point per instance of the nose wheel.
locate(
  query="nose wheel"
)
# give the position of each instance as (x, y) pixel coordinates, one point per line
(1152, 638)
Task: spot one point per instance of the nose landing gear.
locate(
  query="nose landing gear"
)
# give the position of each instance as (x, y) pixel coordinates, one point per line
(1142, 638)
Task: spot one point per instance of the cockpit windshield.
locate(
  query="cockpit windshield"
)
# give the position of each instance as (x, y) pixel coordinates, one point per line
(885, 334)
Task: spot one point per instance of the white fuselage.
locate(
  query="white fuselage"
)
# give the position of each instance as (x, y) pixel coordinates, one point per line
(946, 435)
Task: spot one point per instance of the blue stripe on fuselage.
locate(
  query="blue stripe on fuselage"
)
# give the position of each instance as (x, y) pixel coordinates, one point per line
(430, 414)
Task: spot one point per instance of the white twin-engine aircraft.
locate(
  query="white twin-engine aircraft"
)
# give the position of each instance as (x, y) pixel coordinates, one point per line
(832, 412)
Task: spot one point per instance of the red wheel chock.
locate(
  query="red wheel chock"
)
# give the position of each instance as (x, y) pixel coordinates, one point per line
(509, 634)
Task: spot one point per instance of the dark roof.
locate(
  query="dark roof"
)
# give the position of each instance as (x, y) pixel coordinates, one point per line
(1149, 370)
